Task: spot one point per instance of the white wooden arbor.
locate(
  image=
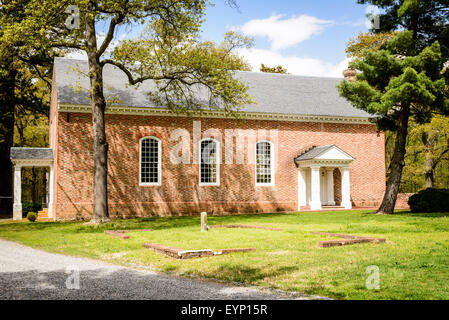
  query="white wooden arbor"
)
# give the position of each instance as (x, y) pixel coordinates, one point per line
(31, 157)
(316, 177)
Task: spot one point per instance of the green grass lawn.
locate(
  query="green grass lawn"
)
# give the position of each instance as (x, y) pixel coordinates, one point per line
(414, 263)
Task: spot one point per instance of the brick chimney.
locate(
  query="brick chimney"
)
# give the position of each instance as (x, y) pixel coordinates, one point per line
(350, 74)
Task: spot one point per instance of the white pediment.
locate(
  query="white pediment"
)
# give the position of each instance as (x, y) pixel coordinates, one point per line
(334, 153)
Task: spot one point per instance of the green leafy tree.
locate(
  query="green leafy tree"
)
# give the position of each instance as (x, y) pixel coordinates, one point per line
(32, 99)
(7, 78)
(428, 20)
(20, 98)
(31, 130)
(168, 52)
(397, 84)
(357, 47)
(19, 73)
(433, 146)
(278, 69)
(426, 156)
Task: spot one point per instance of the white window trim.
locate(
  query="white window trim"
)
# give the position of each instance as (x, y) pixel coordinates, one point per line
(214, 184)
(159, 165)
(272, 183)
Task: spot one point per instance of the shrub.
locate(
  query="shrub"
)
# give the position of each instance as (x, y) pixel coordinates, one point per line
(32, 216)
(30, 207)
(430, 200)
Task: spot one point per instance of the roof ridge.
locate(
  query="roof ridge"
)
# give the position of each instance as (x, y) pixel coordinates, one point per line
(267, 74)
(289, 75)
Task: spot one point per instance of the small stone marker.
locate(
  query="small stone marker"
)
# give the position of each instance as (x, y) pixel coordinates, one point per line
(121, 233)
(347, 240)
(204, 227)
(116, 234)
(231, 226)
(178, 253)
(227, 251)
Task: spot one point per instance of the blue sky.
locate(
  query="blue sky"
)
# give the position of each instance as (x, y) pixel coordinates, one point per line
(318, 31)
(308, 37)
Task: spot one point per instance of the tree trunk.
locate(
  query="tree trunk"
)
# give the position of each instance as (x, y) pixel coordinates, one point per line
(430, 177)
(100, 214)
(7, 103)
(429, 144)
(396, 165)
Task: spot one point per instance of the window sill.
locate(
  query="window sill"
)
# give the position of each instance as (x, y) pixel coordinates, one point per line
(150, 184)
(209, 184)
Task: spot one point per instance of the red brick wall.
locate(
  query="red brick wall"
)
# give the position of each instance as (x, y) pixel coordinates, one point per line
(402, 201)
(180, 193)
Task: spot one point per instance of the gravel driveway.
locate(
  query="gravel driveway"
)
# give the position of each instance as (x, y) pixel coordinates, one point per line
(27, 273)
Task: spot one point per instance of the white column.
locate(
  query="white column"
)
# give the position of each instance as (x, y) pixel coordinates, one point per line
(17, 207)
(345, 188)
(330, 186)
(315, 204)
(302, 189)
(50, 192)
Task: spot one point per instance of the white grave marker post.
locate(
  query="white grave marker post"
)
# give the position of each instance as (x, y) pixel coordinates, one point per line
(204, 221)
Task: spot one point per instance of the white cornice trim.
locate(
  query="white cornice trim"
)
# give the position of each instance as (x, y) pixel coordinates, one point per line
(324, 163)
(215, 114)
(32, 162)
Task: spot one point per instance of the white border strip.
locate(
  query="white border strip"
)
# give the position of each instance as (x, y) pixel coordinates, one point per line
(147, 111)
(180, 253)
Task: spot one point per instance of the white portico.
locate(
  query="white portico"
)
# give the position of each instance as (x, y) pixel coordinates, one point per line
(316, 169)
(31, 157)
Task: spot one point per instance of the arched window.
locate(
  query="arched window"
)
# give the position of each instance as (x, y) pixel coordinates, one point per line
(150, 168)
(209, 163)
(264, 163)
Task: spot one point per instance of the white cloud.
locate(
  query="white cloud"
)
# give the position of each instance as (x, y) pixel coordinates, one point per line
(295, 65)
(303, 66)
(285, 33)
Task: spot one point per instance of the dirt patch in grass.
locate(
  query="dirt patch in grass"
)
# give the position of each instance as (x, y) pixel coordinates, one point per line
(232, 226)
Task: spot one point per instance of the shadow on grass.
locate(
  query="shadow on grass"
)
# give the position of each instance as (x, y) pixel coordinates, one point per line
(162, 223)
(405, 213)
(25, 226)
(154, 223)
(245, 274)
(129, 224)
(424, 215)
(253, 216)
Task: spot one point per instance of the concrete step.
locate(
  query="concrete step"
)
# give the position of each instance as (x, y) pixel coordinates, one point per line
(323, 208)
(43, 213)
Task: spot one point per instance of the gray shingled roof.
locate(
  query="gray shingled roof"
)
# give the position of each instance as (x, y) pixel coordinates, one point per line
(31, 153)
(274, 93)
(313, 153)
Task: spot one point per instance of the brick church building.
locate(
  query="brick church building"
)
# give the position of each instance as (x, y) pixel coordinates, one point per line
(299, 147)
